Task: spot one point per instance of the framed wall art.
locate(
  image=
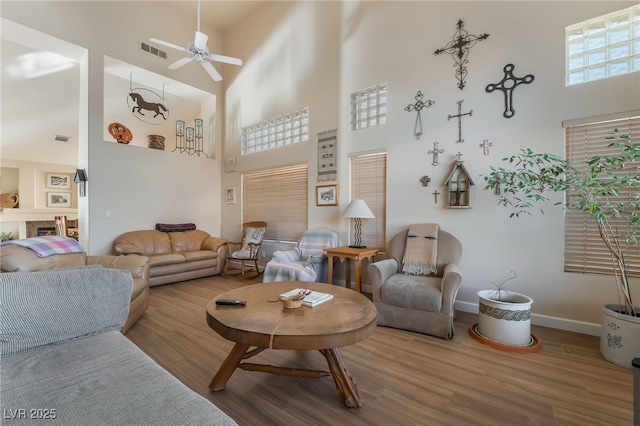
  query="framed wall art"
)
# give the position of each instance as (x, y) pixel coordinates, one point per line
(58, 199)
(58, 181)
(327, 195)
(230, 195)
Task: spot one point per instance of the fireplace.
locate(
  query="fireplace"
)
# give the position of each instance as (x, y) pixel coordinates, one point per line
(38, 228)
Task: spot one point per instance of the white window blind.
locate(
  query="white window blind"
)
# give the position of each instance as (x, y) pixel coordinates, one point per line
(369, 182)
(277, 196)
(584, 250)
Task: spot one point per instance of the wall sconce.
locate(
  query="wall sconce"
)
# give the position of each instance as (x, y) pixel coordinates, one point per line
(358, 210)
(81, 178)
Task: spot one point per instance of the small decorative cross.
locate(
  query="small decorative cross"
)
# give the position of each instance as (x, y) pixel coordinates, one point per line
(485, 147)
(459, 50)
(459, 156)
(435, 195)
(435, 151)
(425, 180)
(417, 127)
(459, 116)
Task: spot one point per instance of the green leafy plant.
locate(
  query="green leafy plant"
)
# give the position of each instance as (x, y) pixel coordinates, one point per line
(501, 291)
(6, 236)
(594, 190)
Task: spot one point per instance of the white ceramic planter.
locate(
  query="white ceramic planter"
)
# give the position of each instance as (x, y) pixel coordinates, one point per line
(507, 321)
(619, 336)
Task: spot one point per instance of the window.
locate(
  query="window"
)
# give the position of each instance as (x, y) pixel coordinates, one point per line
(369, 182)
(369, 107)
(584, 250)
(603, 47)
(278, 132)
(277, 196)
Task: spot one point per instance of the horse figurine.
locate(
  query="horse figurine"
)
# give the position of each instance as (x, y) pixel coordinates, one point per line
(150, 106)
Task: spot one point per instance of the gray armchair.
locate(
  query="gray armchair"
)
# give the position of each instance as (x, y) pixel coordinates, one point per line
(423, 304)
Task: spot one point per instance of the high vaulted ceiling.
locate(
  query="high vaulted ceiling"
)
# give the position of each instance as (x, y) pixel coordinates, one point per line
(26, 135)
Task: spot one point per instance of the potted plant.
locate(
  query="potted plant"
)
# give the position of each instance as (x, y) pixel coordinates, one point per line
(6, 236)
(594, 191)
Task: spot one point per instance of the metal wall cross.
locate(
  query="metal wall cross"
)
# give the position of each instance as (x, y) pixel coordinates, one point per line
(506, 85)
(425, 180)
(459, 116)
(435, 151)
(459, 50)
(417, 128)
(485, 146)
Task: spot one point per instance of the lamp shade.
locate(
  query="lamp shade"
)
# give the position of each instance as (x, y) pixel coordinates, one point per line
(358, 209)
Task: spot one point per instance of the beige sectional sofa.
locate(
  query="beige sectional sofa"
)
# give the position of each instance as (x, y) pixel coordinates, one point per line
(175, 256)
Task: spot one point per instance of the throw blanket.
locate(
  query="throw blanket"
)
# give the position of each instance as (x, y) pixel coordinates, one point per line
(175, 227)
(421, 250)
(314, 242)
(49, 245)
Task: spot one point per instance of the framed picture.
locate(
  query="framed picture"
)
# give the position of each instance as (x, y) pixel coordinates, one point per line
(58, 199)
(230, 165)
(327, 195)
(230, 195)
(58, 181)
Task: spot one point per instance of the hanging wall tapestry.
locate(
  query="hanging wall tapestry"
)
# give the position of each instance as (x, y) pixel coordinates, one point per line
(327, 156)
(459, 50)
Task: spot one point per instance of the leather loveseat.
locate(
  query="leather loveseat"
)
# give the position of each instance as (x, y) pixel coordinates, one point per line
(175, 256)
(15, 258)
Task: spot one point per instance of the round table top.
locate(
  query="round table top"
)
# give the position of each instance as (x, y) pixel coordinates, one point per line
(347, 318)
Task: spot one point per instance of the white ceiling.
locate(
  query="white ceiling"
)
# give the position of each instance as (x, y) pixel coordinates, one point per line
(26, 102)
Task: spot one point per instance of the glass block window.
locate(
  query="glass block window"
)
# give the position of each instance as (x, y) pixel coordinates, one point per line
(603, 47)
(369, 107)
(278, 132)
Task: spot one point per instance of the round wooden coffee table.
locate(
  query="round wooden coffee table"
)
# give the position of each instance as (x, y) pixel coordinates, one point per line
(344, 320)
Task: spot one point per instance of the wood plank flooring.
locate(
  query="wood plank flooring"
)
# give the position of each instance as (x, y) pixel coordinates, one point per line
(405, 378)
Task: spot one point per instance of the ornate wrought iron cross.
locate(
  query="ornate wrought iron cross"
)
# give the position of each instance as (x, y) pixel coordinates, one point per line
(460, 115)
(425, 180)
(506, 85)
(417, 128)
(435, 151)
(459, 50)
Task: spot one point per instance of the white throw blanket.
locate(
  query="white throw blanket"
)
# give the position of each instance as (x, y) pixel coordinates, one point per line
(421, 250)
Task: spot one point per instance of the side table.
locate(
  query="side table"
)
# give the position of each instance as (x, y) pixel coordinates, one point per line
(355, 255)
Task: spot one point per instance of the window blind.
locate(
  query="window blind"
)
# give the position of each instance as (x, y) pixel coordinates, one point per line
(369, 182)
(584, 250)
(277, 196)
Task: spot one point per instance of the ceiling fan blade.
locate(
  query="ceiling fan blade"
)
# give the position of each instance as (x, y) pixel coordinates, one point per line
(164, 43)
(225, 59)
(180, 63)
(201, 40)
(215, 75)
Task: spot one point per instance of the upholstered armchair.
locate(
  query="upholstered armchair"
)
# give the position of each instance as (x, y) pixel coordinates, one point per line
(306, 262)
(420, 303)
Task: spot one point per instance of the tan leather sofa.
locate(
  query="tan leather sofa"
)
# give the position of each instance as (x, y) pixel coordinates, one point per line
(175, 256)
(14, 258)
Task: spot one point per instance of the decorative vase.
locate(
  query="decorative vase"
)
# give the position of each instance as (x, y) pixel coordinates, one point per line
(619, 336)
(506, 321)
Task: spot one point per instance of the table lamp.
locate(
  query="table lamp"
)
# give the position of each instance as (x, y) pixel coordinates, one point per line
(358, 210)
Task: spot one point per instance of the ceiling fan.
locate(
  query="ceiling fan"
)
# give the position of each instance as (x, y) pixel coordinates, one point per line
(198, 51)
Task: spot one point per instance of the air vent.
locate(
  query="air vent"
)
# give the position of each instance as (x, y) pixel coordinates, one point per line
(60, 138)
(154, 51)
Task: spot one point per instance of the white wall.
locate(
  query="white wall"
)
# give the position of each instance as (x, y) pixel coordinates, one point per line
(139, 186)
(316, 53)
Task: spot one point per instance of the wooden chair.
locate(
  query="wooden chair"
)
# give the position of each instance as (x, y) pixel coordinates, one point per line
(249, 247)
(62, 227)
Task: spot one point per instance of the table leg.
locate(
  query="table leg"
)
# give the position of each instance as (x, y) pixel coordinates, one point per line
(357, 264)
(228, 366)
(347, 273)
(330, 263)
(345, 383)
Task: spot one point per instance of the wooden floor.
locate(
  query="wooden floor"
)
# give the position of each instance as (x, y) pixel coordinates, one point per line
(405, 378)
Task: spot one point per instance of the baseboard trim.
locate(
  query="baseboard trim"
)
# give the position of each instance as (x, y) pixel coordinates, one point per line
(582, 327)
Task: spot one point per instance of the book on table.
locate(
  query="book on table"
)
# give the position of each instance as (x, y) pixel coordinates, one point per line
(312, 299)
